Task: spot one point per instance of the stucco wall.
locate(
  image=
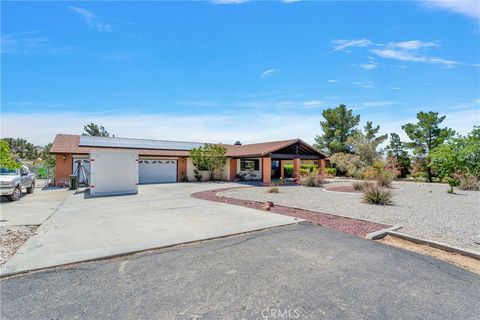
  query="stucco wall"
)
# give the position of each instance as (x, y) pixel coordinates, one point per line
(258, 173)
(224, 175)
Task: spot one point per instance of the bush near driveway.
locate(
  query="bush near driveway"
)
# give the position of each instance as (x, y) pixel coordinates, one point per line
(376, 195)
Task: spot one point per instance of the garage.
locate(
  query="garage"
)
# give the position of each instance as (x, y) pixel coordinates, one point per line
(157, 170)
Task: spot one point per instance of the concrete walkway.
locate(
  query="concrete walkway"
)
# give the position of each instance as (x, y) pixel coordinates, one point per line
(160, 215)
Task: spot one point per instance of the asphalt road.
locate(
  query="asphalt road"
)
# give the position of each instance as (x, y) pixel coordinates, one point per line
(295, 272)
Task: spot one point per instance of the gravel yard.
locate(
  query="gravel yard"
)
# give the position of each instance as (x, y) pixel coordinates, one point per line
(12, 237)
(424, 210)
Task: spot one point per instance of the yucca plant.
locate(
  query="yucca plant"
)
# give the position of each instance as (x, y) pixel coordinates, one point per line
(376, 195)
(273, 190)
(312, 180)
(360, 185)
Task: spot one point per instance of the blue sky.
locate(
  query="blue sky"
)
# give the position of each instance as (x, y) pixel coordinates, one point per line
(221, 71)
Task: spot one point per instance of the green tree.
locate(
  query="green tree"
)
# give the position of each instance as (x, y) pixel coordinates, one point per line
(460, 154)
(365, 144)
(340, 124)
(48, 158)
(425, 135)
(209, 157)
(396, 150)
(22, 149)
(94, 129)
(6, 157)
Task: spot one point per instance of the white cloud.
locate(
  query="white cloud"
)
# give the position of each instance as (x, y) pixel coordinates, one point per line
(364, 84)
(398, 55)
(20, 43)
(368, 66)
(290, 1)
(395, 88)
(469, 8)
(412, 44)
(342, 44)
(333, 81)
(92, 20)
(373, 104)
(411, 51)
(268, 73)
(312, 103)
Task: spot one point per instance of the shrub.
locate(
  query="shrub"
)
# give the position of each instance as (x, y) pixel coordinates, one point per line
(347, 164)
(312, 180)
(330, 172)
(373, 194)
(453, 183)
(368, 173)
(468, 181)
(361, 185)
(384, 178)
(273, 190)
(198, 175)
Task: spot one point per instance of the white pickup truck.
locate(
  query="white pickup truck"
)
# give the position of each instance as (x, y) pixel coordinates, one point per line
(14, 181)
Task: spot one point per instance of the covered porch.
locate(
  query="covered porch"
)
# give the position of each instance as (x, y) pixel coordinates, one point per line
(270, 163)
(274, 162)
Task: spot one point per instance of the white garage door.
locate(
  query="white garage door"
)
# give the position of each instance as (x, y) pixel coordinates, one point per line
(157, 170)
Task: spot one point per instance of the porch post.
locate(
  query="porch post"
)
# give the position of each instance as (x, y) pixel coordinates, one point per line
(296, 168)
(322, 165)
(233, 169)
(282, 171)
(266, 170)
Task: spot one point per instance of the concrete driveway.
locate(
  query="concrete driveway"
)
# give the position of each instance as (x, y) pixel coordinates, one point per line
(160, 215)
(32, 209)
(305, 271)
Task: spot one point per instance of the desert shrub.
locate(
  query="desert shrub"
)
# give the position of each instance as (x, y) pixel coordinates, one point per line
(384, 178)
(361, 185)
(330, 171)
(273, 190)
(347, 164)
(418, 175)
(311, 180)
(374, 194)
(468, 181)
(368, 173)
(452, 182)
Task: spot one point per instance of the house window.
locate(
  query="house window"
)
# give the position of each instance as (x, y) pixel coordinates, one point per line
(249, 164)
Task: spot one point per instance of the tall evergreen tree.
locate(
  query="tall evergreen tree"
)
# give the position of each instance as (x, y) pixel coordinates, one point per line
(94, 129)
(340, 123)
(396, 150)
(425, 135)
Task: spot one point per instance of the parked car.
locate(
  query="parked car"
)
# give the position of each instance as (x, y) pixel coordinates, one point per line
(14, 181)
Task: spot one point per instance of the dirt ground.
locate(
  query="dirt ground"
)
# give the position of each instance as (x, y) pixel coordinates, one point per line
(11, 238)
(468, 263)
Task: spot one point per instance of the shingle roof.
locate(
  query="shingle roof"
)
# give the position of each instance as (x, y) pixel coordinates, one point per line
(67, 143)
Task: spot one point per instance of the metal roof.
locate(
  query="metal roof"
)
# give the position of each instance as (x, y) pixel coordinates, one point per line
(136, 143)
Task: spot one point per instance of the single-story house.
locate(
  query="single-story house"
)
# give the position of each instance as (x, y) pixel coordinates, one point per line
(169, 161)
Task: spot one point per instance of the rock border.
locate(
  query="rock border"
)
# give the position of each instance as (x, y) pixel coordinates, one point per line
(356, 227)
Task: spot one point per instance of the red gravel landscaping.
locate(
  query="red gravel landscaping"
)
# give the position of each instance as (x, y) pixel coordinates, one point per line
(354, 227)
